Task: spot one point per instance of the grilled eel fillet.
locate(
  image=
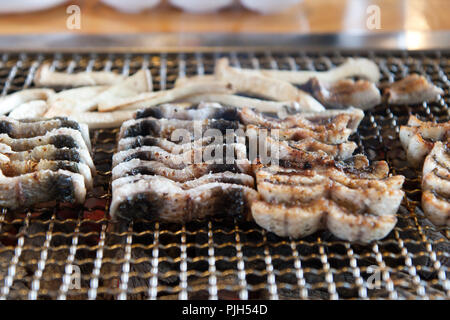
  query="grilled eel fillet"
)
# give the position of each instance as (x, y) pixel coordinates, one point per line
(19, 167)
(436, 185)
(166, 200)
(343, 93)
(413, 89)
(330, 127)
(27, 128)
(165, 144)
(418, 138)
(430, 141)
(60, 137)
(224, 153)
(167, 128)
(317, 121)
(47, 152)
(199, 112)
(41, 186)
(354, 202)
(43, 160)
(189, 172)
(223, 177)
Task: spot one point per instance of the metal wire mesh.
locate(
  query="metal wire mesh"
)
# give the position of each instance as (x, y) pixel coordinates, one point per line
(78, 253)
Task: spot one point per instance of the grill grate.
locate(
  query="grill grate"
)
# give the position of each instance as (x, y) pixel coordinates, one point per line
(71, 253)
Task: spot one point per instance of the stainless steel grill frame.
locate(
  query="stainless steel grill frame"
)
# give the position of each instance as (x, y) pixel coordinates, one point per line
(222, 258)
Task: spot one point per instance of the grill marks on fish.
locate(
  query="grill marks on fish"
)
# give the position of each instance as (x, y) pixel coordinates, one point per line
(331, 120)
(319, 183)
(340, 151)
(436, 185)
(413, 89)
(296, 152)
(43, 160)
(418, 138)
(353, 207)
(427, 144)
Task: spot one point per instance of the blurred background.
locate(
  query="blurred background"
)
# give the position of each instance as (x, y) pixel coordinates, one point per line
(249, 16)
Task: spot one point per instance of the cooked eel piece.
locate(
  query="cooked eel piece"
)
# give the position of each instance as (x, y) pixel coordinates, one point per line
(29, 128)
(357, 167)
(364, 194)
(131, 86)
(255, 84)
(220, 154)
(412, 89)
(61, 137)
(306, 150)
(298, 134)
(45, 185)
(165, 128)
(354, 203)
(95, 120)
(47, 152)
(299, 221)
(12, 101)
(334, 120)
(430, 130)
(281, 108)
(31, 109)
(418, 138)
(436, 185)
(351, 67)
(150, 99)
(290, 221)
(163, 199)
(189, 172)
(340, 151)
(78, 100)
(344, 224)
(223, 177)
(16, 168)
(46, 77)
(199, 112)
(345, 93)
(169, 146)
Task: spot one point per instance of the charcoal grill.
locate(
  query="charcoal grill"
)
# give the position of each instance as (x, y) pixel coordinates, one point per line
(64, 252)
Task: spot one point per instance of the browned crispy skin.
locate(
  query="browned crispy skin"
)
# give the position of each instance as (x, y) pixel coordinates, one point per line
(345, 93)
(317, 121)
(412, 89)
